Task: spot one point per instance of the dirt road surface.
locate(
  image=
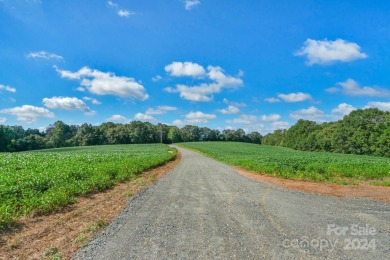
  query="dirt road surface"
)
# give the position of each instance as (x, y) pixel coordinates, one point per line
(204, 209)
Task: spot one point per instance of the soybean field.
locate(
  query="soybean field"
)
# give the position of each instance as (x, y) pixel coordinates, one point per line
(40, 182)
(292, 164)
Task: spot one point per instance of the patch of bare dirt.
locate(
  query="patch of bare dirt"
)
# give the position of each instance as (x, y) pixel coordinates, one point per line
(62, 234)
(362, 190)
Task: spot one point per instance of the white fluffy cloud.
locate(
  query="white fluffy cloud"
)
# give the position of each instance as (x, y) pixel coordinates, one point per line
(272, 100)
(106, 83)
(312, 113)
(111, 3)
(28, 113)
(230, 110)
(66, 103)
(194, 118)
(118, 118)
(243, 119)
(232, 103)
(351, 88)
(120, 11)
(204, 92)
(343, 109)
(385, 106)
(125, 13)
(157, 78)
(92, 100)
(180, 69)
(3, 120)
(44, 55)
(143, 117)
(295, 97)
(191, 4)
(7, 88)
(270, 118)
(160, 110)
(280, 125)
(326, 52)
(199, 117)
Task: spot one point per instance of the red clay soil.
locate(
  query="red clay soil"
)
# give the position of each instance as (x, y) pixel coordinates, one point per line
(62, 234)
(362, 190)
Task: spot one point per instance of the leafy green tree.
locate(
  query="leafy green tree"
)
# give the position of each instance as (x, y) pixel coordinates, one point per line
(174, 134)
(254, 137)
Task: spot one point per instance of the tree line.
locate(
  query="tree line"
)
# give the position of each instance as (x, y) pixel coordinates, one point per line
(16, 138)
(364, 132)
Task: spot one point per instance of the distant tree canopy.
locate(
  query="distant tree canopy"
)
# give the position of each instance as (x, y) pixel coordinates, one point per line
(361, 132)
(15, 138)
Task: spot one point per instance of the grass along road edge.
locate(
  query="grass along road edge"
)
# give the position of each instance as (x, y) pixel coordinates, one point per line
(350, 187)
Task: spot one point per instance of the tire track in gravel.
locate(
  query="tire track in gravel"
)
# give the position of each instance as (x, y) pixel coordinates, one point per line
(204, 209)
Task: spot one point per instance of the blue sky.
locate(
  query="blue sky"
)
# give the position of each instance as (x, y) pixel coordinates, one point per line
(257, 65)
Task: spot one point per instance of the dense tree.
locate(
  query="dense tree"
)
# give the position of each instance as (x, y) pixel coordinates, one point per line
(254, 137)
(361, 132)
(174, 134)
(277, 138)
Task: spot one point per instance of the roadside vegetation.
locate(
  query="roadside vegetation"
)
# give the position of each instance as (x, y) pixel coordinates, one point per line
(361, 132)
(292, 164)
(40, 182)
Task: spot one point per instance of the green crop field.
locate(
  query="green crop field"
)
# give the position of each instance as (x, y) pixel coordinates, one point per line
(41, 181)
(292, 164)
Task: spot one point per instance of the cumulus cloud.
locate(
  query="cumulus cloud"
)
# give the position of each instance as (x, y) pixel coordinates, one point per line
(343, 109)
(7, 88)
(160, 110)
(120, 11)
(243, 119)
(189, 69)
(92, 100)
(28, 113)
(3, 120)
(230, 110)
(280, 125)
(125, 13)
(352, 88)
(385, 106)
(312, 113)
(111, 3)
(106, 83)
(295, 97)
(272, 100)
(191, 4)
(143, 117)
(327, 52)
(194, 118)
(44, 55)
(270, 118)
(204, 92)
(66, 103)
(156, 78)
(199, 117)
(232, 103)
(118, 118)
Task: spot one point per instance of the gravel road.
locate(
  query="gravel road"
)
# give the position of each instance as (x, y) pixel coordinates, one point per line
(203, 209)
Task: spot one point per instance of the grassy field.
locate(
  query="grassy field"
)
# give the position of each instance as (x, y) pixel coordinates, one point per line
(292, 164)
(41, 181)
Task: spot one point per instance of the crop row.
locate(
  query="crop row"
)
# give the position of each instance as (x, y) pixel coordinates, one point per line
(40, 182)
(292, 164)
